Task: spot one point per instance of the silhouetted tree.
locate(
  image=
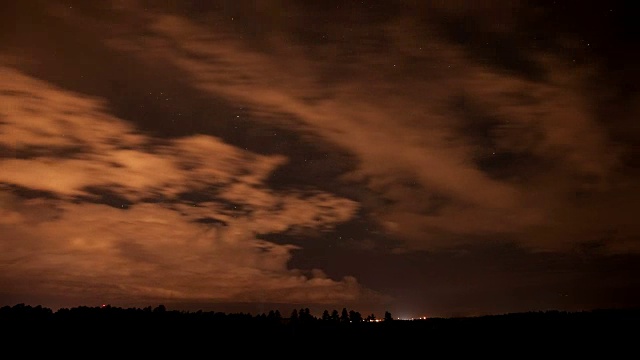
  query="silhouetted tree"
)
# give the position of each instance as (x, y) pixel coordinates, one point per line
(344, 317)
(325, 315)
(274, 316)
(294, 315)
(371, 317)
(387, 316)
(335, 316)
(355, 316)
(305, 314)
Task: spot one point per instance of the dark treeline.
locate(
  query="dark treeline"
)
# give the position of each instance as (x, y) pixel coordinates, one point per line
(160, 319)
(160, 325)
(302, 319)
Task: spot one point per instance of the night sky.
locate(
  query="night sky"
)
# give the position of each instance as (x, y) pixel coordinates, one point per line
(426, 158)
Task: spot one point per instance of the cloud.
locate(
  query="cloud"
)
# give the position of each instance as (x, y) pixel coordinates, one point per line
(153, 246)
(151, 252)
(454, 146)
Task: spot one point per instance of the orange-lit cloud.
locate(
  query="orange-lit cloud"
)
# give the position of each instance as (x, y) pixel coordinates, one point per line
(146, 249)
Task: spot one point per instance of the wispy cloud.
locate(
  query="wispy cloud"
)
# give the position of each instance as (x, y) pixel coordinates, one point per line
(486, 152)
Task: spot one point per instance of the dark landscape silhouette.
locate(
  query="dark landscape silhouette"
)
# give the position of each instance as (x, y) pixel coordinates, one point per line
(158, 324)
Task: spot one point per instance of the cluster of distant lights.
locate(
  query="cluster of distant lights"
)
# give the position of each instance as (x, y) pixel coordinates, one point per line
(416, 318)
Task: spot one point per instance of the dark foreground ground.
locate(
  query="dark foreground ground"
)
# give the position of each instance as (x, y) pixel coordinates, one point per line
(609, 333)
